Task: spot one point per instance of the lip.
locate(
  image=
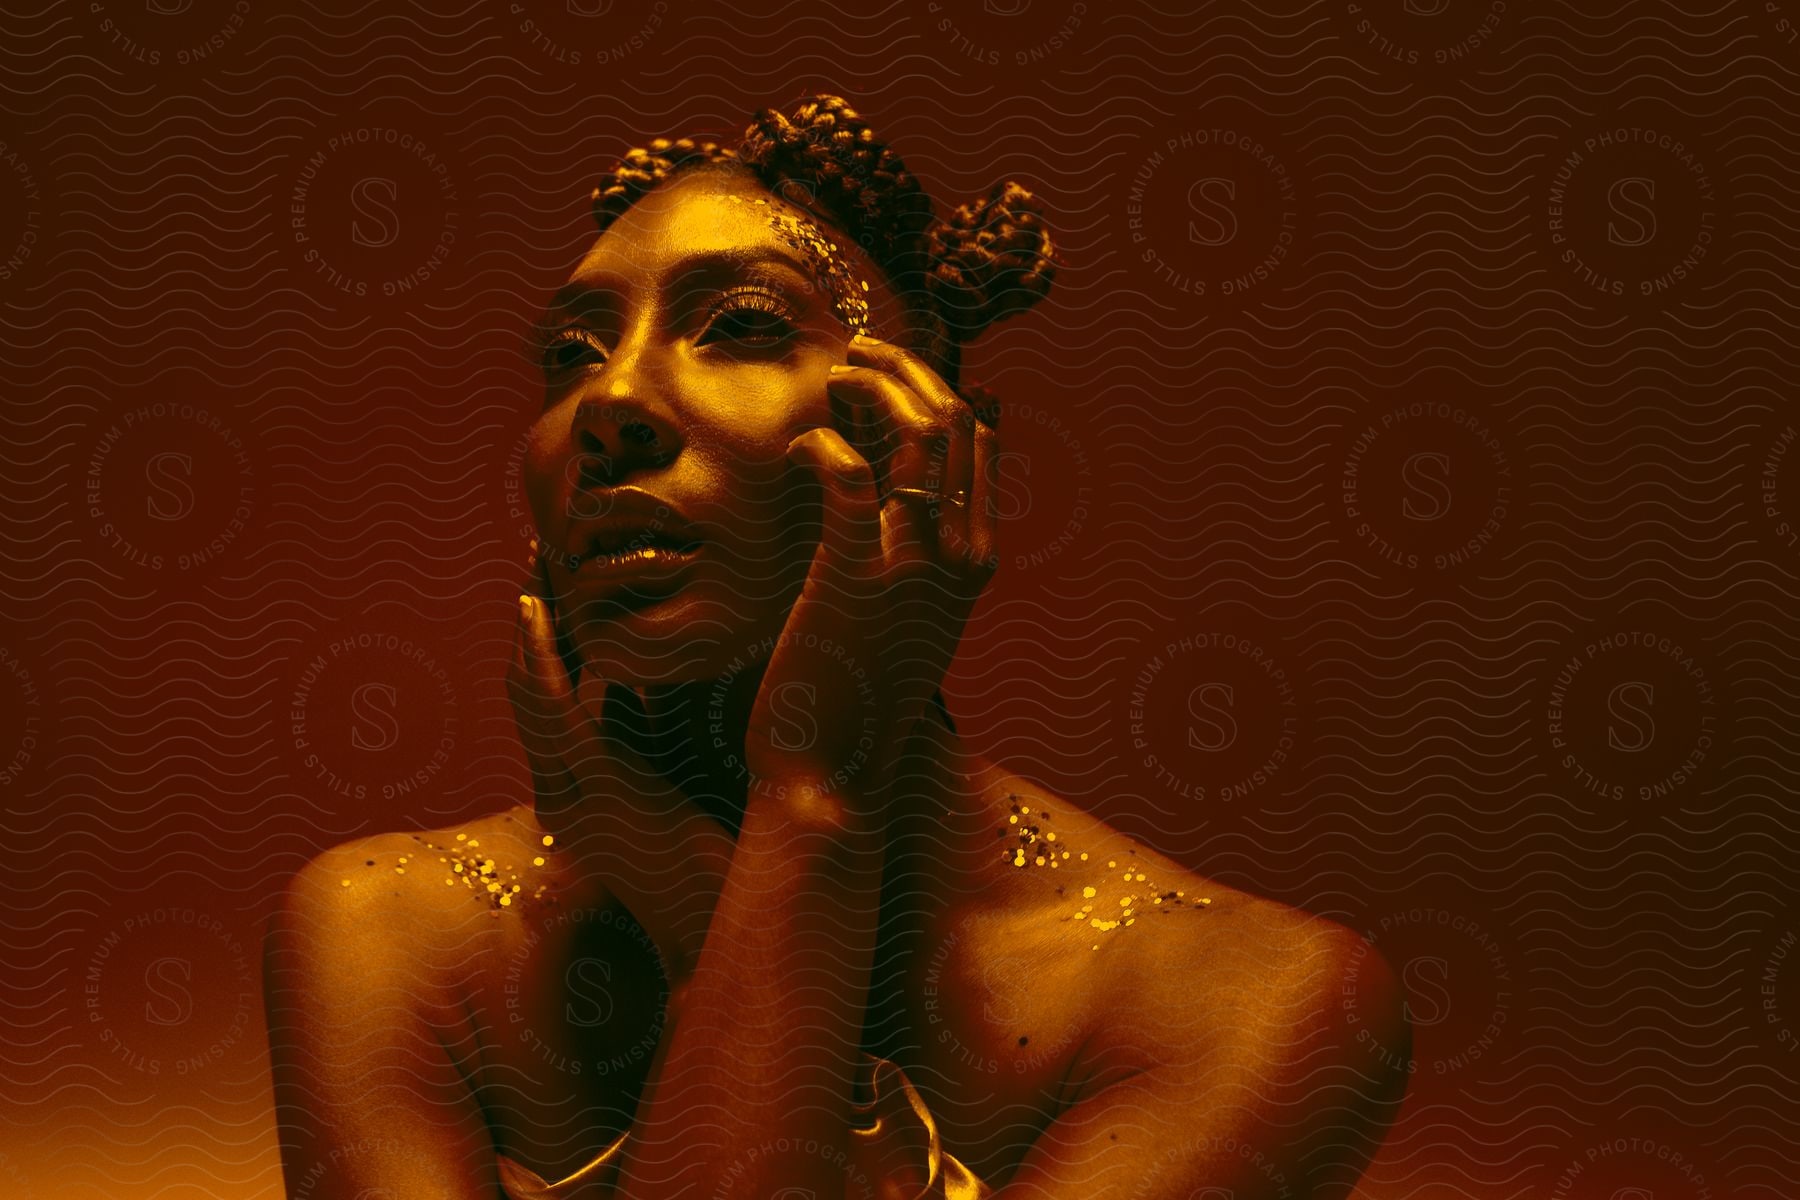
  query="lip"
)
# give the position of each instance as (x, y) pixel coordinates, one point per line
(624, 519)
(634, 541)
(646, 573)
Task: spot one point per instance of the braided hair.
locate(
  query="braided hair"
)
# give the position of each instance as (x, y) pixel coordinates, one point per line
(955, 276)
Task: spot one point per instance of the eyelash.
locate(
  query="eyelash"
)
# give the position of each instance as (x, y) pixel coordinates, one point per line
(570, 338)
(561, 347)
(770, 334)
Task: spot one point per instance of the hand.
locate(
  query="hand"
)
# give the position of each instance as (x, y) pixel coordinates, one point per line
(907, 546)
(599, 800)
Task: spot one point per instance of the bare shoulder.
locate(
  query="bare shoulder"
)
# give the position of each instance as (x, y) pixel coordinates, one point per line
(423, 906)
(367, 972)
(1185, 961)
(1187, 1004)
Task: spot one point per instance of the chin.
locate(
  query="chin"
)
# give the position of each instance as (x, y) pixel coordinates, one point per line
(683, 638)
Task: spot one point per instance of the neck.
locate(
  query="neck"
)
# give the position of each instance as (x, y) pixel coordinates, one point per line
(692, 734)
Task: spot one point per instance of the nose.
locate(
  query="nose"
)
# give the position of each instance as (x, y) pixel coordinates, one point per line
(622, 426)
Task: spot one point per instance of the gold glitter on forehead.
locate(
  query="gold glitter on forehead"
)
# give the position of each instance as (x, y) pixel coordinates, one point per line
(849, 295)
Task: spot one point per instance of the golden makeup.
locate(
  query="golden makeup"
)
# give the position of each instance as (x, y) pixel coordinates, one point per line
(849, 294)
(1033, 844)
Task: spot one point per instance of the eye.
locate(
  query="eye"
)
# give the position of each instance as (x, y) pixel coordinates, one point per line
(754, 320)
(571, 348)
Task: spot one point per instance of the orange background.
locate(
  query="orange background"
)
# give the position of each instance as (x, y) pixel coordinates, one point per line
(1400, 519)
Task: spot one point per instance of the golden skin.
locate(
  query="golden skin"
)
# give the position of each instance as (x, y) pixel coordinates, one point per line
(727, 416)
(420, 1027)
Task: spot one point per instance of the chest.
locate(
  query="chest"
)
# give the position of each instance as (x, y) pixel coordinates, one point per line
(986, 1016)
(569, 1018)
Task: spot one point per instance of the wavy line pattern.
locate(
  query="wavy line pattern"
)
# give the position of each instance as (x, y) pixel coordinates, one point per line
(1402, 487)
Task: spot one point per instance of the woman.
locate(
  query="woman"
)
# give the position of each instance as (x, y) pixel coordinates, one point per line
(771, 928)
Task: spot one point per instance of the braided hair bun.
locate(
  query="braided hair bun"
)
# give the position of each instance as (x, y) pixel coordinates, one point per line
(832, 154)
(643, 167)
(991, 259)
(987, 261)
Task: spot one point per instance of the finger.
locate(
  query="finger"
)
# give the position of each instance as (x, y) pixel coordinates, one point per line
(550, 692)
(898, 427)
(851, 416)
(930, 393)
(551, 780)
(537, 580)
(955, 515)
(820, 671)
(954, 419)
(958, 422)
(541, 586)
(600, 800)
(910, 452)
(849, 553)
(577, 753)
(912, 370)
(541, 729)
(581, 745)
(950, 411)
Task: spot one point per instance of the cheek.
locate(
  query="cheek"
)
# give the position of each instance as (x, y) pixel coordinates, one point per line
(737, 425)
(736, 438)
(546, 453)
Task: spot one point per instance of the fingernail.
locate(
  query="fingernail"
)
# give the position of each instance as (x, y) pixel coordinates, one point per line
(841, 368)
(526, 605)
(851, 469)
(863, 339)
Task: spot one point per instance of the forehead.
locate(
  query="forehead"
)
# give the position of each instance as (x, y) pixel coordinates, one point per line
(713, 212)
(698, 211)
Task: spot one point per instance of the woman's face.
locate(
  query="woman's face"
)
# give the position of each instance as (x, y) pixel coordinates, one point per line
(690, 346)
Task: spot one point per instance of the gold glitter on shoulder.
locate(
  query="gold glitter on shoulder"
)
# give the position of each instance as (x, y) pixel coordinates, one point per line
(1034, 844)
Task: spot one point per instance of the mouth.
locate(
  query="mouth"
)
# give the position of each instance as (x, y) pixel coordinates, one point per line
(631, 548)
(629, 569)
(623, 547)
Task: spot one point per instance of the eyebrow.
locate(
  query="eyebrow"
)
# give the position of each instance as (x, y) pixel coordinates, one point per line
(580, 295)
